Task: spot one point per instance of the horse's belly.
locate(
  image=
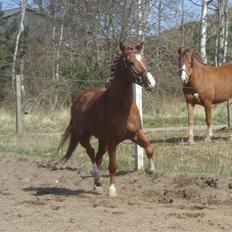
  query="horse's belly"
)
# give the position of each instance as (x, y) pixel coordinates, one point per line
(219, 98)
(104, 128)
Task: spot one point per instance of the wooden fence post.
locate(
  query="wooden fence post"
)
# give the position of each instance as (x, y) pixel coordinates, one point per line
(137, 91)
(18, 104)
(228, 113)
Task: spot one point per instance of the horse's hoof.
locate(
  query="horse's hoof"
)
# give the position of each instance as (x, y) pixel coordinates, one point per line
(149, 171)
(97, 189)
(112, 195)
(98, 182)
(112, 191)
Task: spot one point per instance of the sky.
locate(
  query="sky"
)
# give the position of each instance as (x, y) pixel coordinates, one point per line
(8, 4)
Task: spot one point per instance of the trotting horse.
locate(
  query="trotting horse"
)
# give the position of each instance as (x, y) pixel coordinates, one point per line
(204, 85)
(111, 115)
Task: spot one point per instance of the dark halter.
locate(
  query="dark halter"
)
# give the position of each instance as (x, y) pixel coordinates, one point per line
(139, 78)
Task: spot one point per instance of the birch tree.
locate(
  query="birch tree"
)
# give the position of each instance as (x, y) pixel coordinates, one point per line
(203, 39)
(23, 4)
(57, 75)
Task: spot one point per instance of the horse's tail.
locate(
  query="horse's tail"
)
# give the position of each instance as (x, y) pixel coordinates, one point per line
(70, 134)
(73, 142)
(65, 136)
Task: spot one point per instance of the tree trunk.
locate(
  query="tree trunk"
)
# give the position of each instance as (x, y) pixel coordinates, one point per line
(17, 88)
(223, 32)
(204, 30)
(159, 28)
(57, 74)
(23, 4)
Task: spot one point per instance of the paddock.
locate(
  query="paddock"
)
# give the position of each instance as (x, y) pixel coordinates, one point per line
(188, 191)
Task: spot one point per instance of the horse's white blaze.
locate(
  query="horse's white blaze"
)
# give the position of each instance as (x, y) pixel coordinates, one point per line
(112, 191)
(184, 76)
(139, 59)
(151, 80)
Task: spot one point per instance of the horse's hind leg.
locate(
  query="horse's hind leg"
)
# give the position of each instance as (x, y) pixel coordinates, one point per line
(190, 122)
(208, 110)
(85, 142)
(141, 140)
(101, 151)
(112, 169)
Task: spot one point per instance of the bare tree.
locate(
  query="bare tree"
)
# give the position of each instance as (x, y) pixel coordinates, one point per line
(23, 4)
(223, 31)
(204, 29)
(57, 75)
(17, 87)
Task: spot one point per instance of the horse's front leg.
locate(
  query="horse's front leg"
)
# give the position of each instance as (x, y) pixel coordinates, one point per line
(112, 169)
(97, 164)
(190, 108)
(141, 140)
(208, 115)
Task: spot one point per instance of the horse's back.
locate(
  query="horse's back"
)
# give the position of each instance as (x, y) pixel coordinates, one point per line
(89, 97)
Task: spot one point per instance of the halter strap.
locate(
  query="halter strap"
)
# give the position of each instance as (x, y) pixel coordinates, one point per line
(139, 78)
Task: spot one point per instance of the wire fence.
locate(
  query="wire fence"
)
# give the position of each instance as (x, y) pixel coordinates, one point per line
(54, 94)
(43, 94)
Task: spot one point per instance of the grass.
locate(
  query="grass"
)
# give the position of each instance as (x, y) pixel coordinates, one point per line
(42, 133)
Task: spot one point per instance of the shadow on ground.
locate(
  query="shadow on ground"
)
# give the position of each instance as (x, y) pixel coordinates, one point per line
(58, 191)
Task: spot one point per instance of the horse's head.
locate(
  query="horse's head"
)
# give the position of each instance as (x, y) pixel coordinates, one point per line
(185, 63)
(134, 63)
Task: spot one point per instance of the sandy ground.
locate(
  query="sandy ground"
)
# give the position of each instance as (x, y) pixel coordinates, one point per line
(34, 197)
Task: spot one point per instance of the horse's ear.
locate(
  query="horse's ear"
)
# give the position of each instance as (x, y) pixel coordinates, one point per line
(122, 46)
(140, 46)
(180, 50)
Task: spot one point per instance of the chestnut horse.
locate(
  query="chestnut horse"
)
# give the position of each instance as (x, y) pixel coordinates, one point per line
(111, 115)
(204, 85)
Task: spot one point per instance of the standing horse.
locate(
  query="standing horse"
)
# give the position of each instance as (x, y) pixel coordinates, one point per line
(111, 115)
(203, 85)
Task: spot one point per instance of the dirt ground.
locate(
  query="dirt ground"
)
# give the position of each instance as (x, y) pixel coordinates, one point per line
(35, 197)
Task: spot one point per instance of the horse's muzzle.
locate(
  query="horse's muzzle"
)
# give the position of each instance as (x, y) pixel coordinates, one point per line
(145, 80)
(150, 81)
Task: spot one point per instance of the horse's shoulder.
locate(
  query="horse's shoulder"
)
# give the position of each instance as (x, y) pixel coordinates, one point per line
(93, 92)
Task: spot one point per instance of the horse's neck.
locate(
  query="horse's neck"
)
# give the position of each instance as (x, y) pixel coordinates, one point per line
(121, 91)
(198, 65)
(198, 73)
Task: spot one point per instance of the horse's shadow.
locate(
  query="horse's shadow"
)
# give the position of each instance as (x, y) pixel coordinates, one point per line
(57, 191)
(61, 191)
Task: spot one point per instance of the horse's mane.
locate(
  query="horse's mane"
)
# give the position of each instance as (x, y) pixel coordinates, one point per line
(195, 56)
(198, 58)
(113, 66)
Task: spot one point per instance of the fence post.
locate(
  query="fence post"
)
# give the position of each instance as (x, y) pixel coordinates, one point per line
(18, 104)
(228, 113)
(137, 91)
